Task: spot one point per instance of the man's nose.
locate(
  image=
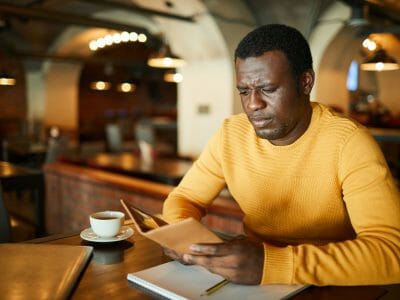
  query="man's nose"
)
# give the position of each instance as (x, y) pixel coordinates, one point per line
(256, 101)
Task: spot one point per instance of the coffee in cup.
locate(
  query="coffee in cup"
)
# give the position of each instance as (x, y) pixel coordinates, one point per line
(107, 224)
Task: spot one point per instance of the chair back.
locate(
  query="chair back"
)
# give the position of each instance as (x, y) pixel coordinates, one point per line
(5, 227)
(56, 147)
(144, 132)
(113, 138)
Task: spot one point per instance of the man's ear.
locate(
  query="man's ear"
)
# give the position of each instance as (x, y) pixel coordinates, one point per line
(307, 81)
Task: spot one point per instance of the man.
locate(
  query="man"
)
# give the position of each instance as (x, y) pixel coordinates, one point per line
(320, 206)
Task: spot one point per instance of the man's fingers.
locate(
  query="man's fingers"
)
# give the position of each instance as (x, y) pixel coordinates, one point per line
(174, 255)
(214, 265)
(216, 249)
(239, 260)
(227, 262)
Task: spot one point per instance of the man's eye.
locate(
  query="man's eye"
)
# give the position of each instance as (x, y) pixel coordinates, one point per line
(267, 91)
(243, 92)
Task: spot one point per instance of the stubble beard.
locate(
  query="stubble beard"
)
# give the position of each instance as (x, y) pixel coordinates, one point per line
(273, 134)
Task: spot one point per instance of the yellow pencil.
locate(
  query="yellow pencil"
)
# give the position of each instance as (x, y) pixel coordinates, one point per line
(214, 288)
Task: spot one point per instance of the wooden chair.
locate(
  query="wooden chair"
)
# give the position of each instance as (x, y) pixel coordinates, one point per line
(5, 227)
(113, 138)
(16, 179)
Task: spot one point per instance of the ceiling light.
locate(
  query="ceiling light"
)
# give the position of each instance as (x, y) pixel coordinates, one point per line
(165, 59)
(125, 36)
(100, 85)
(379, 61)
(142, 38)
(133, 36)
(369, 44)
(126, 87)
(117, 38)
(173, 77)
(7, 80)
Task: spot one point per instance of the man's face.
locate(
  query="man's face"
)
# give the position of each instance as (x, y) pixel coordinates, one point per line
(278, 110)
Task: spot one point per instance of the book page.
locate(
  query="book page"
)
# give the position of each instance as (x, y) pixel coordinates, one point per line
(177, 236)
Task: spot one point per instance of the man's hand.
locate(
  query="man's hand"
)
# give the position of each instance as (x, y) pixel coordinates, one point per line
(174, 255)
(239, 261)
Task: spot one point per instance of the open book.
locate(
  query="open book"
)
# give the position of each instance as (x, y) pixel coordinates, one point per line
(178, 236)
(173, 280)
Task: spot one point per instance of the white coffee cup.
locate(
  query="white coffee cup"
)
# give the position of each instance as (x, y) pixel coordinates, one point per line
(107, 224)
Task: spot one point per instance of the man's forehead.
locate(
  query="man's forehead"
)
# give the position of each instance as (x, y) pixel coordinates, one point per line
(269, 62)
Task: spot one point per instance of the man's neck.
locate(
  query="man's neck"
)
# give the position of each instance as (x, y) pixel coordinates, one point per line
(298, 130)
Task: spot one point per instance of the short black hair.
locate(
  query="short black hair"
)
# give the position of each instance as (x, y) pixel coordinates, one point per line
(277, 37)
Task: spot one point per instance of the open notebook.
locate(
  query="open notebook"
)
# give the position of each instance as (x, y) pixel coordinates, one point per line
(173, 280)
(40, 271)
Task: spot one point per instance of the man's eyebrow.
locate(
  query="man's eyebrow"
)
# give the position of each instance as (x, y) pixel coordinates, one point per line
(261, 85)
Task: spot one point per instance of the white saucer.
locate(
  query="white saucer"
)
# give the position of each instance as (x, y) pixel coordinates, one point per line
(90, 236)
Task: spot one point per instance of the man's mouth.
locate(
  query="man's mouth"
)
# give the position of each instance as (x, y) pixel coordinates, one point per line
(260, 122)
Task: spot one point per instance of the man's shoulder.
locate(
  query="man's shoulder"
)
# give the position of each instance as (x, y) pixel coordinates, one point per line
(237, 126)
(238, 118)
(236, 122)
(332, 120)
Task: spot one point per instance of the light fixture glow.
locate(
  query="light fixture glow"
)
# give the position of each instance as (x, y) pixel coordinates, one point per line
(101, 43)
(165, 59)
(173, 77)
(126, 87)
(117, 38)
(369, 44)
(93, 45)
(100, 85)
(380, 61)
(133, 36)
(125, 36)
(108, 39)
(5, 80)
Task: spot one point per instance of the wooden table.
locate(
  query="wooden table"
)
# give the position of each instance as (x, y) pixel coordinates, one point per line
(105, 276)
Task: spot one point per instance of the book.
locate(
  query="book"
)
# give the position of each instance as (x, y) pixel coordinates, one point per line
(41, 271)
(177, 236)
(174, 280)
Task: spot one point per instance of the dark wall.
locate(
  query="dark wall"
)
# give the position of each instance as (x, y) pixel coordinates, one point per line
(13, 106)
(152, 96)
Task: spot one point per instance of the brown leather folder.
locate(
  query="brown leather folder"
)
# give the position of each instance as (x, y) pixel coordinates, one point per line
(40, 271)
(177, 236)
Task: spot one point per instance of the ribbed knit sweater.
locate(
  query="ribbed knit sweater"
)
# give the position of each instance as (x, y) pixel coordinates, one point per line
(325, 206)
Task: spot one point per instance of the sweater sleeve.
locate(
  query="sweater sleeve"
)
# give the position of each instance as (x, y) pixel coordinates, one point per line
(373, 206)
(199, 187)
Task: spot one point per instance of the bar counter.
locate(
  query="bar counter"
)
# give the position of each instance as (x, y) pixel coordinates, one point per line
(167, 170)
(73, 192)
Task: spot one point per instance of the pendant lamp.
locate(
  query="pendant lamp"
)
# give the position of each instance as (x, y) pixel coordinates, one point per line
(172, 76)
(379, 61)
(165, 59)
(5, 79)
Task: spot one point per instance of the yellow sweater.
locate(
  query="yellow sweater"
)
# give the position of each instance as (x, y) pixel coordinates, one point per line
(326, 206)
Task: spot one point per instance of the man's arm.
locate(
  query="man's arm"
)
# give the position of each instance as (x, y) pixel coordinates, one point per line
(373, 206)
(372, 257)
(198, 188)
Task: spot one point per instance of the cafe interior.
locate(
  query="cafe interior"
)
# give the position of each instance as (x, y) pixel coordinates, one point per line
(102, 100)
